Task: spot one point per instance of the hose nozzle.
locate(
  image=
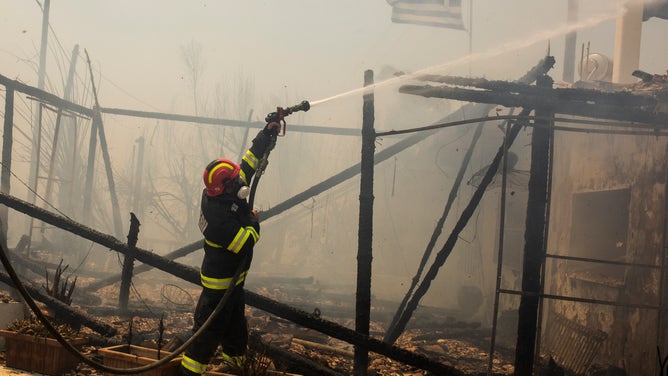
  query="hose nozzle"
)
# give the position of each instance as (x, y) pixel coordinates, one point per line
(304, 106)
(281, 113)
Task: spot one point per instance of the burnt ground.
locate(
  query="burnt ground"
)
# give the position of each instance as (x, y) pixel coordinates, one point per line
(434, 334)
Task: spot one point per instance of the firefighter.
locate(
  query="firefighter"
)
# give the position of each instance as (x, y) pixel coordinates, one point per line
(231, 229)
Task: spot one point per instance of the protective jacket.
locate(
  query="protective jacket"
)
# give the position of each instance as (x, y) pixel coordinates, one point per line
(230, 230)
(230, 233)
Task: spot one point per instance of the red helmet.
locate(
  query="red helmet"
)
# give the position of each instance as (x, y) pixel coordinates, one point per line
(217, 174)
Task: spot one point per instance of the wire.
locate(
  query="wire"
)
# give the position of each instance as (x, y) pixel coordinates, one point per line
(35, 193)
(658, 130)
(141, 299)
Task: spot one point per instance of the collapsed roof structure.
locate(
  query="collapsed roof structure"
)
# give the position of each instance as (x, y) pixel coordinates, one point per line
(588, 220)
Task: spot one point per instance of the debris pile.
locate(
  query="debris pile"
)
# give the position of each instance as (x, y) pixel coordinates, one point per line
(33, 326)
(462, 345)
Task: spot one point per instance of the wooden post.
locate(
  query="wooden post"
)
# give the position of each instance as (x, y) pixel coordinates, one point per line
(534, 236)
(51, 162)
(137, 202)
(7, 138)
(90, 168)
(128, 265)
(37, 127)
(97, 126)
(115, 209)
(67, 94)
(365, 234)
(36, 161)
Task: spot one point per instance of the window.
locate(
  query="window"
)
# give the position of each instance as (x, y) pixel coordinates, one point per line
(599, 230)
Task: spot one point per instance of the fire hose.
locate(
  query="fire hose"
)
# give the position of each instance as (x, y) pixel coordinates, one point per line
(273, 117)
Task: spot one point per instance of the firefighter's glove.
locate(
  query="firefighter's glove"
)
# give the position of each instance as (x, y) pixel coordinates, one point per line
(272, 128)
(254, 217)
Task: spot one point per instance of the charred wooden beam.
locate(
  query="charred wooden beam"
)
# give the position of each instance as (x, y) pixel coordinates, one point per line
(184, 272)
(350, 336)
(406, 307)
(232, 123)
(180, 252)
(67, 105)
(446, 250)
(534, 247)
(65, 312)
(45, 96)
(323, 347)
(618, 98)
(98, 127)
(296, 362)
(600, 107)
(128, 265)
(648, 77)
(390, 334)
(365, 229)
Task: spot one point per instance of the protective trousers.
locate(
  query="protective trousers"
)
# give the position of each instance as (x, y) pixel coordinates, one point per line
(228, 329)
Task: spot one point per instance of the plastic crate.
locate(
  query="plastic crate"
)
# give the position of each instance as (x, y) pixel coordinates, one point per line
(131, 356)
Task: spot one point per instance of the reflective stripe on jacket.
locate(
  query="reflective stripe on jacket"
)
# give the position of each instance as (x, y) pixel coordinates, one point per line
(239, 240)
(221, 283)
(192, 365)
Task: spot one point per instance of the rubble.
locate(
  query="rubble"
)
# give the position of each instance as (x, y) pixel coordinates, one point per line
(451, 342)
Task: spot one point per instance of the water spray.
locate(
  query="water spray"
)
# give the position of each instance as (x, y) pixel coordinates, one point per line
(510, 46)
